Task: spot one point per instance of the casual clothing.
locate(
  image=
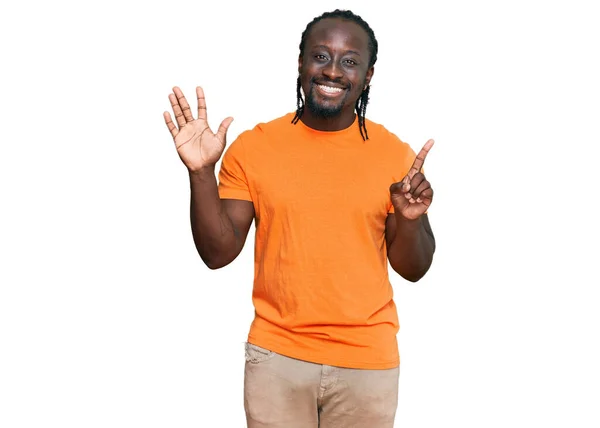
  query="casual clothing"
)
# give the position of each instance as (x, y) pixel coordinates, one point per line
(282, 392)
(321, 288)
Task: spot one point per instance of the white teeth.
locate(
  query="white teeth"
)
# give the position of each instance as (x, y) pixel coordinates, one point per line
(330, 90)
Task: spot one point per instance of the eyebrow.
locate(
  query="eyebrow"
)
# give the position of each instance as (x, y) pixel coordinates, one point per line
(346, 52)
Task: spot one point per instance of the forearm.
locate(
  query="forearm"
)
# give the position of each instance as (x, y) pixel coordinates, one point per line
(212, 229)
(411, 252)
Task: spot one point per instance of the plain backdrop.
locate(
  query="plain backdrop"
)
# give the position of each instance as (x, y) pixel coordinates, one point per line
(108, 318)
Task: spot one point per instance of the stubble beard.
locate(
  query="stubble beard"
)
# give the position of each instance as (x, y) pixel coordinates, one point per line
(324, 111)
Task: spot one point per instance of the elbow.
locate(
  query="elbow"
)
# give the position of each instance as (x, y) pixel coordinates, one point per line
(213, 265)
(412, 275)
(216, 254)
(214, 258)
(412, 278)
(412, 270)
(216, 262)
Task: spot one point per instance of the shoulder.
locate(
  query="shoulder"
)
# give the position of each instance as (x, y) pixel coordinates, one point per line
(254, 145)
(276, 126)
(387, 140)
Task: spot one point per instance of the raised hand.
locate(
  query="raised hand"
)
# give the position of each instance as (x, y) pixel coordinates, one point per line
(412, 195)
(196, 144)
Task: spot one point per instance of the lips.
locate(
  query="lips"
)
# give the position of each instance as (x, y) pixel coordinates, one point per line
(329, 89)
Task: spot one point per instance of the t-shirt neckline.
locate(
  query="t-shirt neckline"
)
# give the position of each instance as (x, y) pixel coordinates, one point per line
(340, 132)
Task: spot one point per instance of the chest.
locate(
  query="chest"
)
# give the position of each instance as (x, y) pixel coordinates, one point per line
(318, 184)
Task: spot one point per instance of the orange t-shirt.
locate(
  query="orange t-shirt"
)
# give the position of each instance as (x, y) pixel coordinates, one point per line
(321, 287)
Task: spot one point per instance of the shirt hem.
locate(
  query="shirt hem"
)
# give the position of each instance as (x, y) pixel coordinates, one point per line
(317, 359)
(233, 194)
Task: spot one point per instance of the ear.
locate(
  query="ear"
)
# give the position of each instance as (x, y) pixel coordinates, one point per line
(369, 76)
(299, 63)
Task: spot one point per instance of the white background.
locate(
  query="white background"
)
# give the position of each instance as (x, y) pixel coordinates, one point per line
(108, 318)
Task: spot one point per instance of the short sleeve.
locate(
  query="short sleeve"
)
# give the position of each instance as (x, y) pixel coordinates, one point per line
(233, 183)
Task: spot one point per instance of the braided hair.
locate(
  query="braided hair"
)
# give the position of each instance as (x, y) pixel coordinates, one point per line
(363, 100)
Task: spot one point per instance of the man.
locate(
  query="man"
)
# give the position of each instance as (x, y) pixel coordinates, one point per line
(335, 196)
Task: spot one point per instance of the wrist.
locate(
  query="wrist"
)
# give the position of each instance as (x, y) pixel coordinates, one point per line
(202, 173)
(407, 224)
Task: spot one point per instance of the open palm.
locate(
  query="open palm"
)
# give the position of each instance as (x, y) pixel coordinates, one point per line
(197, 146)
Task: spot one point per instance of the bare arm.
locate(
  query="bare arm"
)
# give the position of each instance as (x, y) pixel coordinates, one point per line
(410, 246)
(409, 238)
(219, 226)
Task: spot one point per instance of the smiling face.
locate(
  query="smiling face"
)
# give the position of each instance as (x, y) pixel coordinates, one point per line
(334, 71)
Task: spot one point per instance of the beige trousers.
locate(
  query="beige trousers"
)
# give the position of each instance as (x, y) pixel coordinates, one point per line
(282, 392)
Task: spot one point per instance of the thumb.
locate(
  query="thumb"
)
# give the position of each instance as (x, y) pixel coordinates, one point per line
(406, 185)
(401, 187)
(222, 132)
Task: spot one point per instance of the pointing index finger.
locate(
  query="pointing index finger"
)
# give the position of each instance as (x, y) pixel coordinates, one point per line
(420, 159)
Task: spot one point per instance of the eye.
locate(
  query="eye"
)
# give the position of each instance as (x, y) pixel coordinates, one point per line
(350, 62)
(321, 57)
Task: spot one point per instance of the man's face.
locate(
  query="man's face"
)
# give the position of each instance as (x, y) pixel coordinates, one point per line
(334, 67)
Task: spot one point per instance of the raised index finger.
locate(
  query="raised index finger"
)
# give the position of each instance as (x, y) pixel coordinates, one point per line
(420, 159)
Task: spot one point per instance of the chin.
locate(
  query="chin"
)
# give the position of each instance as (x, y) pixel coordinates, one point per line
(322, 109)
(326, 113)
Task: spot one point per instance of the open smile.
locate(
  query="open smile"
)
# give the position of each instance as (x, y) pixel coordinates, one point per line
(328, 90)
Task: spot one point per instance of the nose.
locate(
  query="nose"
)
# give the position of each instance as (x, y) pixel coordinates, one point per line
(332, 70)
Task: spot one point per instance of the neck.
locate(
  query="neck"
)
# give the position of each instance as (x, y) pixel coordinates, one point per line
(337, 123)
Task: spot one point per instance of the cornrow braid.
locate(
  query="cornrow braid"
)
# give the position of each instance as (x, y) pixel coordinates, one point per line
(299, 102)
(363, 100)
(361, 110)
